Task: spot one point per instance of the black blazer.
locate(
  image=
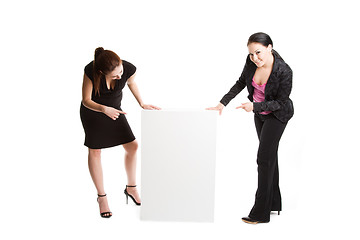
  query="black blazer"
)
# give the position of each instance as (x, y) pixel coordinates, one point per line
(277, 89)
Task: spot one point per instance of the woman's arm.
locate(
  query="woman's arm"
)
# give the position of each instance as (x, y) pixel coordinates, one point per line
(135, 91)
(235, 90)
(238, 86)
(87, 102)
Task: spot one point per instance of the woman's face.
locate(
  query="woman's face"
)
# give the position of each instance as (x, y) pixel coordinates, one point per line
(116, 73)
(259, 54)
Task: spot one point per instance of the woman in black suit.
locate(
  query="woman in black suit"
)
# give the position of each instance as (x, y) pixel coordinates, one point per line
(269, 80)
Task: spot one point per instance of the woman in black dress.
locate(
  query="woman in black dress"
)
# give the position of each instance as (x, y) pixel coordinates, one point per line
(269, 81)
(104, 122)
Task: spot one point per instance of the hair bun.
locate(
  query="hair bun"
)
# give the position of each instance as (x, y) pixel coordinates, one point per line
(98, 51)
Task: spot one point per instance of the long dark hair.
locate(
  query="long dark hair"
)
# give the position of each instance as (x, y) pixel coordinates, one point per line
(264, 39)
(261, 38)
(105, 61)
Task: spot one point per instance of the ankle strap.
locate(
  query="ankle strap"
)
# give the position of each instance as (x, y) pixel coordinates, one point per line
(130, 186)
(101, 195)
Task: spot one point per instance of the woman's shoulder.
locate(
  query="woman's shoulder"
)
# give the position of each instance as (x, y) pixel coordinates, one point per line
(89, 70)
(129, 68)
(282, 67)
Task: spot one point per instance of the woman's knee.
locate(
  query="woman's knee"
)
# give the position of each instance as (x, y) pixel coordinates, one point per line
(131, 147)
(266, 155)
(94, 152)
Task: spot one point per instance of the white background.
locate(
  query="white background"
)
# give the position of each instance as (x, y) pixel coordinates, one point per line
(188, 54)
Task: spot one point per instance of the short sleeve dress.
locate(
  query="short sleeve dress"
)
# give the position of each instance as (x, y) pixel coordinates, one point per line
(100, 130)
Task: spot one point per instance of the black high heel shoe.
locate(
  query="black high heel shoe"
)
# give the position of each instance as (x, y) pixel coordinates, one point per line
(104, 214)
(129, 195)
(252, 221)
(278, 212)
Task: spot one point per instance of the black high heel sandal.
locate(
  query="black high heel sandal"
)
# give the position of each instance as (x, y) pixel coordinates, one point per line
(129, 195)
(104, 214)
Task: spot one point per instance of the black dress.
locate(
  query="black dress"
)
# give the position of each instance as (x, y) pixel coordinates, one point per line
(100, 130)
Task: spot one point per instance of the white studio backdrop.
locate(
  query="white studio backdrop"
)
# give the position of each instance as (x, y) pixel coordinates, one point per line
(188, 54)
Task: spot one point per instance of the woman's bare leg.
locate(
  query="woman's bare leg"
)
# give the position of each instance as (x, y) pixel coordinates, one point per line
(130, 167)
(96, 173)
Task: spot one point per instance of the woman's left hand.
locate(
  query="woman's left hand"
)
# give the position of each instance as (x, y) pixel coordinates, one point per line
(249, 106)
(150, 107)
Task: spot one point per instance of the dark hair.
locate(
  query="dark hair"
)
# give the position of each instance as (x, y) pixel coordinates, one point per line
(261, 38)
(105, 61)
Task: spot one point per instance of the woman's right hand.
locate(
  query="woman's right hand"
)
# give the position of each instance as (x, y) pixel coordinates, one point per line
(112, 113)
(219, 108)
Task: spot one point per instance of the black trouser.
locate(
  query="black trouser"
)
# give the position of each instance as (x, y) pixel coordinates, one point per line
(268, 197)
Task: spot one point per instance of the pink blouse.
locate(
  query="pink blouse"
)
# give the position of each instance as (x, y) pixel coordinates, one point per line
(259, 94)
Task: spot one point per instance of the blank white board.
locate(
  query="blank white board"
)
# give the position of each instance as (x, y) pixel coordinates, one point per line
(178, 153)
